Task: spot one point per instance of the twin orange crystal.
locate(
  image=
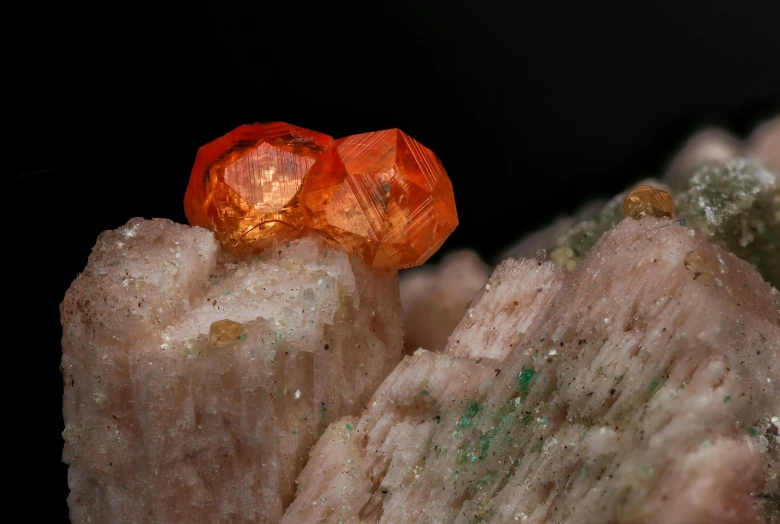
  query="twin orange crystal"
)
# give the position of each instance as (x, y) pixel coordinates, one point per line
(381, 196)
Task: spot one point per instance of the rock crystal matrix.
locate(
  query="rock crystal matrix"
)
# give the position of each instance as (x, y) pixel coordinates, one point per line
(252, 371)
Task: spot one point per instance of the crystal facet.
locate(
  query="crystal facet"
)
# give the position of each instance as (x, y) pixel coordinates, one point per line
(647, 201)
(381, 196)
(244, 186)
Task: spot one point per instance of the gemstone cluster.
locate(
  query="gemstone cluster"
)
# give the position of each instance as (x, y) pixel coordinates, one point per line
(381, 196)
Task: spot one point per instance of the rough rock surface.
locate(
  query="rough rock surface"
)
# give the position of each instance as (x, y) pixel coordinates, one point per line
(435, 298)
(735, 202)
(570, 247)
(195, 384)
(646, 391)
(491, 327)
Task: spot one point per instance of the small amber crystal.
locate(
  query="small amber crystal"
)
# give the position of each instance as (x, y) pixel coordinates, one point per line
(224, 332)
(647, 201)
(382, 196)
(244, 186)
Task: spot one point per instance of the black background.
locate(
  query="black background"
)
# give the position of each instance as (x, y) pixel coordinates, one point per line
(533, 108)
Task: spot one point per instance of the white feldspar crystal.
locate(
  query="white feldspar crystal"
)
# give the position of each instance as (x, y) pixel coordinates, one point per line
(645, 391)
(435, 298)
(166, 424)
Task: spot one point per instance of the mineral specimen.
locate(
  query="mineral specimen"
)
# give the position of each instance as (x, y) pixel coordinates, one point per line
(381, 196)
(643, 388)
(638, 387)
(244, 186)
(196, 382)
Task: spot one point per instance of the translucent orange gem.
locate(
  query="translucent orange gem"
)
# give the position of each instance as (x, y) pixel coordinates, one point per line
(382, 196)
(245, 185)
(648, 201)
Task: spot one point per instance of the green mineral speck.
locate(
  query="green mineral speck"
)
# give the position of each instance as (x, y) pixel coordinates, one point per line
(484, 444)
(295, 432)
(216, 281)
(242, 337)
(349, 427)
(471, 411)
(524, 379)
(484, 481)
(327, 286)
(124, 487)
(368, 420)
(425, 392)
(727, 399)
(655, 384)
(226, 293)
(466, 455)
(753, 432)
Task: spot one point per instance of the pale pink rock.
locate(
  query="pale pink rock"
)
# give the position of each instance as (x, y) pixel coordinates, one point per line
(716, 145)
(163, 426)
(435, 298)
(764, 144)
(708, 145)
(646, 392)
(522, 292)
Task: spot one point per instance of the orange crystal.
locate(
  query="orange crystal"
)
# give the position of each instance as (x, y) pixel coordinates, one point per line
(381, 196)
(245, 185)
(648, 201)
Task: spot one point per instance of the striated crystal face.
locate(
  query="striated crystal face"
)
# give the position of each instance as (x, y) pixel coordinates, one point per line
(647, 201)
(244, 186)
(381, 196)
